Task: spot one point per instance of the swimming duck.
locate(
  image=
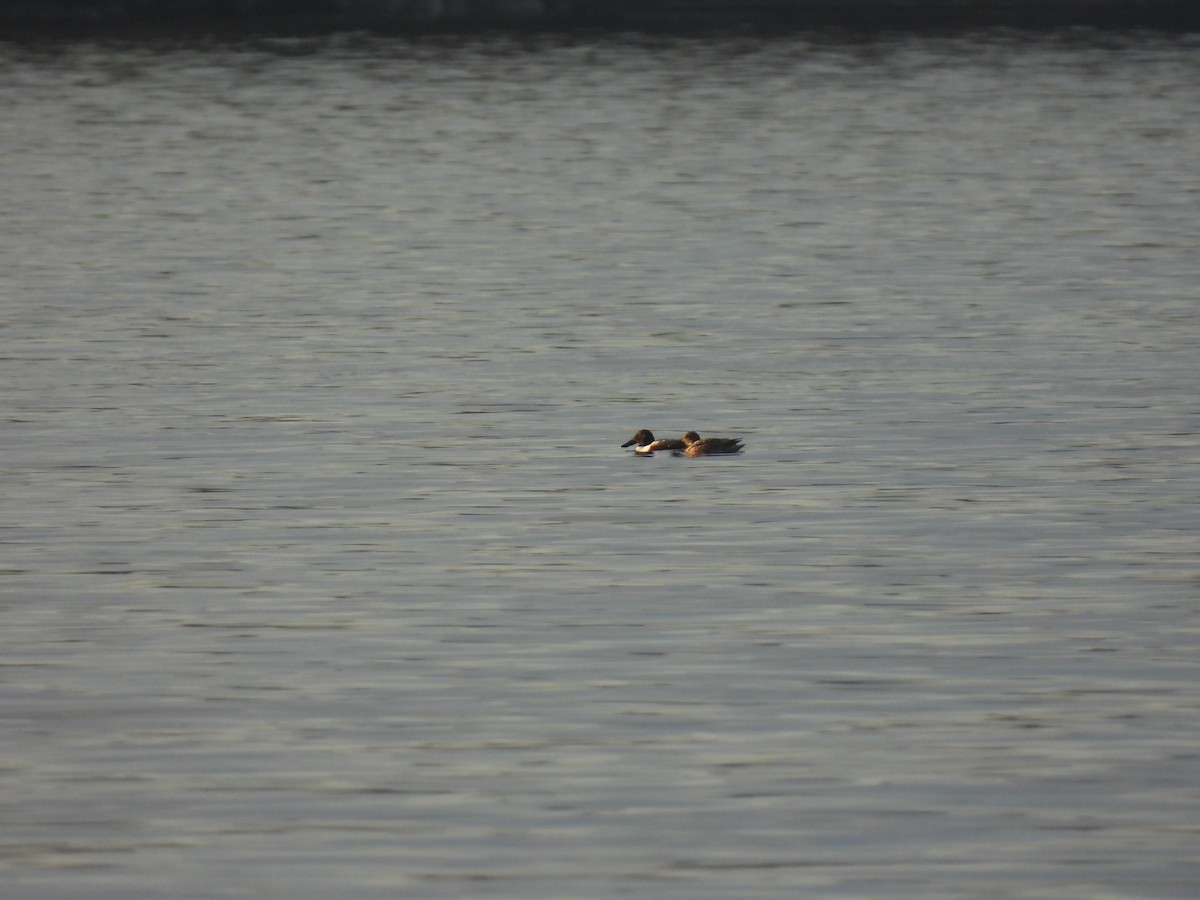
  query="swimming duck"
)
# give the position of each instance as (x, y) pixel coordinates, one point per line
(691, 444)
(694, 445)
(644, 443)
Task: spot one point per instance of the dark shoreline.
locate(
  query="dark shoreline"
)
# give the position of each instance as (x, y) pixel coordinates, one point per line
(668, 16)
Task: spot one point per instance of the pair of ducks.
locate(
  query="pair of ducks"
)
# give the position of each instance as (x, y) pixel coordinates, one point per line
(691, 444)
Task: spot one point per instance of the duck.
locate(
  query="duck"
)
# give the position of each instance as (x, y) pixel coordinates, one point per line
(644, 443)
(691, 444)
(694, 445)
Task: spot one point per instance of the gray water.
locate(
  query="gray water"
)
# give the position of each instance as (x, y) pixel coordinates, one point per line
(324, 574)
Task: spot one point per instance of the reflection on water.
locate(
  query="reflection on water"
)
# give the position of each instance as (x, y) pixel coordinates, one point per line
(324, 573)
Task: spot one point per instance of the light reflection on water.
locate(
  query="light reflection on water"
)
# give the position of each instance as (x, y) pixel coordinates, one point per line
(323, 570)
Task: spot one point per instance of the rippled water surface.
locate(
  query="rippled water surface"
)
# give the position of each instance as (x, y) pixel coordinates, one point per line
(322, 573)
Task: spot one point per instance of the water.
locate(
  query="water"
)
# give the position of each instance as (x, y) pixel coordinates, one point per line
(323, 573)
